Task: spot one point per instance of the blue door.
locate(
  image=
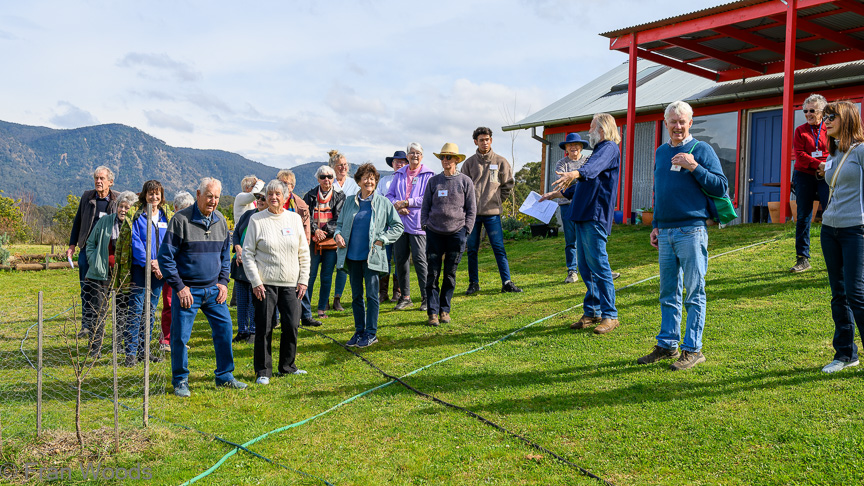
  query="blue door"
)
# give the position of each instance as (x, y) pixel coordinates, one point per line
(765, 140)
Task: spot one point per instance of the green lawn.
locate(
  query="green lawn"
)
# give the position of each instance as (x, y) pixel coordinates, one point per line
(759, 411)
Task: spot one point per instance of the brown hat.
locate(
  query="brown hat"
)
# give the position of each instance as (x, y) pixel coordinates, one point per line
(451, 149)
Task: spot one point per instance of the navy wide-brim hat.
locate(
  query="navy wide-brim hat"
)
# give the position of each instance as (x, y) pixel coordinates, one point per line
(396, 155)
(573, 138)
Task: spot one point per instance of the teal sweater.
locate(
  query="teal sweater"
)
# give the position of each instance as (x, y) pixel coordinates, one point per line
(678, 197)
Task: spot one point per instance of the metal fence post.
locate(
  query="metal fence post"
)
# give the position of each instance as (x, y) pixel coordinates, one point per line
(147, 311)
(114, 365)
(39, 334)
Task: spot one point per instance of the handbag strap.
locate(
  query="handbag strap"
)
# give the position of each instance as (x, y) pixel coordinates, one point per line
(837, 172)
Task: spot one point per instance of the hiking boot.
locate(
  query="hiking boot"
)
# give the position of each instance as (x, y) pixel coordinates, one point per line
(659, 353)
(182, 390)
(241, 336)
(605, 326)
(404, 303)
(586, 321)
(838, 365)
(509, 286)
(337, 306)
(433, 320)
(572, 277)
(445, 318)
(803, 264)
(423, 305)
(233, 383)
(687, 360)
(310, 322)
(473, 288)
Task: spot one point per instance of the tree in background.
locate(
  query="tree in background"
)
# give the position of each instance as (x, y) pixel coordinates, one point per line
(527, 180)
(65, 215)
(12, 219)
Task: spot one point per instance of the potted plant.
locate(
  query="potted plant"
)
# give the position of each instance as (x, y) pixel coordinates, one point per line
(647, 216)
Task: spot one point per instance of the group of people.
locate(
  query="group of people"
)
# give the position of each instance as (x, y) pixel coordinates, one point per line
(356, 226)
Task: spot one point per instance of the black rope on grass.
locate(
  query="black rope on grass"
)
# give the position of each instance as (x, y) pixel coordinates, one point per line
(482, 419)
(181, 426)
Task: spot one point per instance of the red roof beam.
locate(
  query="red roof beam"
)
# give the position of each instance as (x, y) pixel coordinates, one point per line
(768, 44)
(777, 67)
(675, 64)
(850, 6)
(743, 14)
(831, 35)
(698, 48)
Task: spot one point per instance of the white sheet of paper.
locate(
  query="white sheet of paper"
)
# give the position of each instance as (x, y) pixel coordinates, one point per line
(540, 210)
(71, 265)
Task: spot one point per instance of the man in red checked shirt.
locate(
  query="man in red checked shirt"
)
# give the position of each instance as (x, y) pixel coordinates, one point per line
(810, 148)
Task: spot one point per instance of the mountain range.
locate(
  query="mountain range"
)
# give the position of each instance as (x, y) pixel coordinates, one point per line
(48, 164)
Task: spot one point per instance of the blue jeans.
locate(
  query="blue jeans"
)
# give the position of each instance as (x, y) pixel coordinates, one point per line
(365, 318)
(245, 307)
(181, 330)
(807, 190)
(135, 332)
(327, 261)
(595, 270)
(341, 278)
(496, 239)
(843, 249)
(683, 262)
(569, 225)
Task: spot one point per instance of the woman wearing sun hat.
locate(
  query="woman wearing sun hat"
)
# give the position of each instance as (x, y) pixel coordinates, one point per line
(573, 159)
(447, 216)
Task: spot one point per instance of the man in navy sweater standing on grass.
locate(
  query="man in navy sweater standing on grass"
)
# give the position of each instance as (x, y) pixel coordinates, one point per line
(194, 258)
(685, 169)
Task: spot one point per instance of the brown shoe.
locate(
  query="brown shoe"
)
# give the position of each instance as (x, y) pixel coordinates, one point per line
(433, 320)
(605, 326)
(337, 305)
(585, 321)
(687, 360)
(445, 318)
(657, 354)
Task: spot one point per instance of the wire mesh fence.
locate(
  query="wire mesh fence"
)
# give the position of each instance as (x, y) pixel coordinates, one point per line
(70, 355)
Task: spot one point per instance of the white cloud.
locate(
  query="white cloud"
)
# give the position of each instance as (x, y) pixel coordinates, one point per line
(155, 66)
(70, 116)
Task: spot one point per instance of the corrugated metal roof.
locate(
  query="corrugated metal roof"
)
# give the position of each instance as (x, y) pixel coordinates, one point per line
(594, 97)
(705, 12)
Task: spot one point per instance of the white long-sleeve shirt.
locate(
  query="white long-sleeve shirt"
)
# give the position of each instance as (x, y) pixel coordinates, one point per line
(245, 201)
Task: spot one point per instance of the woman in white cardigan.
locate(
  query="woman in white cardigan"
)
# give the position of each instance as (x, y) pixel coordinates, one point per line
(276, 257)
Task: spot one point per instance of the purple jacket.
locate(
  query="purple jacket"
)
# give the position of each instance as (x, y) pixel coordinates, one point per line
(415, 199)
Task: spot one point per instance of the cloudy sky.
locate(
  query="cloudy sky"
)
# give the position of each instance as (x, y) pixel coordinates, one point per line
(283, 82)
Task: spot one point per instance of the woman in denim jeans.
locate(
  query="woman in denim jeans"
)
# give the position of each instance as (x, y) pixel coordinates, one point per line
(843, 229)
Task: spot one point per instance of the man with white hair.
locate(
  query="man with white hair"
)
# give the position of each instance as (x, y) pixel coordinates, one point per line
(94, 204)
(194, 258)
(686, 172)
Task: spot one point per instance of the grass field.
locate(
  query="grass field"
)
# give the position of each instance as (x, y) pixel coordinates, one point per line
(759, 411)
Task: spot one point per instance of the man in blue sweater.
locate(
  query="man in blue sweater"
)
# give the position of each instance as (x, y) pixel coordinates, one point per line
(685, 169)
(195, 259)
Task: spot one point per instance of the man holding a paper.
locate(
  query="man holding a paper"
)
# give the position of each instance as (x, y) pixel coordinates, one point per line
(592, 209)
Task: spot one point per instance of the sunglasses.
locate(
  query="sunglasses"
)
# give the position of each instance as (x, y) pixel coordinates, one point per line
(261, 198)
(325, 176)
(830, 117)
(448, 157)
(810, 111)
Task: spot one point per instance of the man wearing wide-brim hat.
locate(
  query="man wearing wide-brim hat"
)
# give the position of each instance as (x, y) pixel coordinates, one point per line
(399, 160)
(573, 159)
(447, 216)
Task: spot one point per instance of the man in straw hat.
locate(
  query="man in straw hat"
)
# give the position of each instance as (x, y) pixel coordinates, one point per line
(493, 182)
(447, 216)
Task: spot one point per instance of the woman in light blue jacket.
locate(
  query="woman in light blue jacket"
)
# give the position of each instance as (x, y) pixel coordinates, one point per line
(367, 223)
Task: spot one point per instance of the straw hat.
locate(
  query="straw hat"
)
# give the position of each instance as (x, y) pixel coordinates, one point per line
(451, 149)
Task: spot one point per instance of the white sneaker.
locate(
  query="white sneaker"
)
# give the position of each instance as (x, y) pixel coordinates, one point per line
(572, 277)
(298, 372)
(838, 365)
(262, 380)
